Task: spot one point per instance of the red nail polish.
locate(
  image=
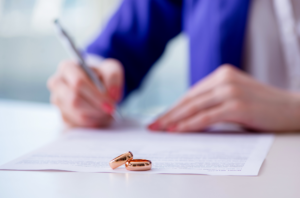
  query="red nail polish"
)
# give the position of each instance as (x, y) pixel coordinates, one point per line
(107, 108)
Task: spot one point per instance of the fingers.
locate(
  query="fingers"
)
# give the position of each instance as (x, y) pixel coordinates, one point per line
(75, 110)
(187, 104)
(201, 120)
(225, 74)
(80, 84)
(187, 108)
(231, 111)
(80, 102)
(217, 89)
(112, 74)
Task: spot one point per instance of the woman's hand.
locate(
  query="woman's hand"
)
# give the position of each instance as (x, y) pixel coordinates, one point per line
(229, 95)
(80, 102)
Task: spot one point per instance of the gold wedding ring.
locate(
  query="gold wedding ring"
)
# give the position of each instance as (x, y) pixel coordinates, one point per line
(130, 163)
(120, 160)
(138, 165)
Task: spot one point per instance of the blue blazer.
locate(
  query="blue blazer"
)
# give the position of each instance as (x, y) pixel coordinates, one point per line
(138, 32)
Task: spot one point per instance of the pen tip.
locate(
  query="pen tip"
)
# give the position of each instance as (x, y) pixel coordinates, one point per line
(56, 21)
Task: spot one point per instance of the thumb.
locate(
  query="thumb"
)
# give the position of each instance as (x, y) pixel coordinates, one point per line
(112, 75)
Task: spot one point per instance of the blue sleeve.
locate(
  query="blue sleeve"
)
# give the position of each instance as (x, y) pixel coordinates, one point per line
(137, 34)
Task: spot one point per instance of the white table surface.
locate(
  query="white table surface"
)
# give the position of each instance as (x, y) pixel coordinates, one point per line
(28, 126)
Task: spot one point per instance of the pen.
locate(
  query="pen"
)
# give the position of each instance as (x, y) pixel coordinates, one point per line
(69, 44)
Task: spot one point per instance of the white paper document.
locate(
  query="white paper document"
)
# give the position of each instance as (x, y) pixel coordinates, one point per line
(85, 150)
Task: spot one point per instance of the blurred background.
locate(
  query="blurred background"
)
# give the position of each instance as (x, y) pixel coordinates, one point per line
(30, 51)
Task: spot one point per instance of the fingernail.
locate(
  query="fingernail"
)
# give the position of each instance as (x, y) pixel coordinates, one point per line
(114, 92)
(154, 126)
(107, 108)
(172, 128)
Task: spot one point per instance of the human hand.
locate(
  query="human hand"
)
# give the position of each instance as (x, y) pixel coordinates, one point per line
(80, 102)
(230, 95)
